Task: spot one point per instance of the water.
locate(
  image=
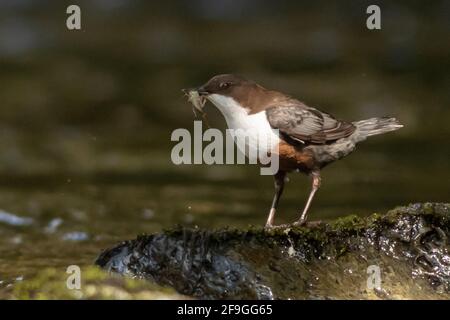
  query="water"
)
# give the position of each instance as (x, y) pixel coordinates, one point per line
(86, 118)
(72, 222)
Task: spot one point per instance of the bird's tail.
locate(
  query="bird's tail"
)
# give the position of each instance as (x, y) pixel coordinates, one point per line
(374, 126)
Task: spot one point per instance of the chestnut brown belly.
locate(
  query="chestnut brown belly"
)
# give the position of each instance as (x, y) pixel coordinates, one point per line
(295, 158)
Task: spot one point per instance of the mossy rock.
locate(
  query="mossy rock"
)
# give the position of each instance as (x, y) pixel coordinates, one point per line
(95, 283)
(408, 247)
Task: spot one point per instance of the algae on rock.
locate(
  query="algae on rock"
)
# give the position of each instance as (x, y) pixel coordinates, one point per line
(95, 284)
(409, 246)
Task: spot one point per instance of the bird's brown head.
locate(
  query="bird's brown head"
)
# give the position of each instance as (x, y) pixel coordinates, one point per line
(248, 94)
(227, 85)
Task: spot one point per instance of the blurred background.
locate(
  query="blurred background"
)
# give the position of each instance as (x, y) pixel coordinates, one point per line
(86, 116)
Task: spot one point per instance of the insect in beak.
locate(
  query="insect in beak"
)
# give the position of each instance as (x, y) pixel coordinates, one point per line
(198, 100)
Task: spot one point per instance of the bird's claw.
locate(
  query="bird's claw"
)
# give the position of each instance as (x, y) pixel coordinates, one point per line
(277, 227)
(299, 223)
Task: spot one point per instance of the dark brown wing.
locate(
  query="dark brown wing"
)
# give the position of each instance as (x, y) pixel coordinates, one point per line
(306, 124)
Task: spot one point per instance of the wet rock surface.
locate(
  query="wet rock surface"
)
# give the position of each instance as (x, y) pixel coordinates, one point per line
(403, 254)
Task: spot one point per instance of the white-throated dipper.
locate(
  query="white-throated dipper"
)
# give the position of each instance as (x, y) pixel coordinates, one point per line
(306, 139)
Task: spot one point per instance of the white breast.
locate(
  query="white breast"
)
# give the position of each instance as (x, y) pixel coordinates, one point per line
(255, 126)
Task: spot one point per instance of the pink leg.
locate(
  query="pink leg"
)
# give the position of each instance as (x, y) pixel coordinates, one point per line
(279, 186)
(315, 186)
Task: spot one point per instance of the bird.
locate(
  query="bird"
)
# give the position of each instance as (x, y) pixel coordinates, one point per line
(306, 139)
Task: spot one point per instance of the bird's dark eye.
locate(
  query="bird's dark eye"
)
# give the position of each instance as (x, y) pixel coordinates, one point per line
(224, 85)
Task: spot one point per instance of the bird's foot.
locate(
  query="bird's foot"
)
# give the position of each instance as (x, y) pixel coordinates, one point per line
(300, 222)
(277, 227)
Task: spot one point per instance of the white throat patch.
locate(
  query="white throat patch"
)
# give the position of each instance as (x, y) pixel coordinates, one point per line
(255, 126)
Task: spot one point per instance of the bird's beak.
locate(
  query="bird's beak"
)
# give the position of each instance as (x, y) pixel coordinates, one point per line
(202, 91)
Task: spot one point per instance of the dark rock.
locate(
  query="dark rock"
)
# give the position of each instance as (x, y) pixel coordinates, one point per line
(409, 246)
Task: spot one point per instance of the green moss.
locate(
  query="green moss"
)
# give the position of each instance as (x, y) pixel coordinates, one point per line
(95, 284)
(428, 208)
(351, 222)
(317, 260)
(329, 252)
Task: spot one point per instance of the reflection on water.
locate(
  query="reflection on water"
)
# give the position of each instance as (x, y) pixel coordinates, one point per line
(72, 222)
(85, 118)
